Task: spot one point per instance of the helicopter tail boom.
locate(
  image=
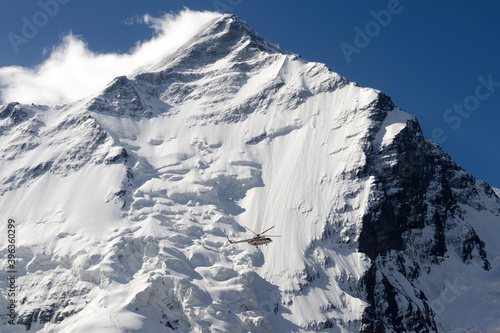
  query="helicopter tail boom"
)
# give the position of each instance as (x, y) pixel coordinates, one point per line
(236, 242)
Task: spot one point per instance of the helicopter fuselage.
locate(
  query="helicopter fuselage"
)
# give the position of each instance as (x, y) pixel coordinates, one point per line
(256, 241)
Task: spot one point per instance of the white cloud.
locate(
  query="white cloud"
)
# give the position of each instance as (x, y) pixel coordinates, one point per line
(72, 72)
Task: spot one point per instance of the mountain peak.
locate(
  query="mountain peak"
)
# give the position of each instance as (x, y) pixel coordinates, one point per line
(232, 28)
(226, 62)
(217, 39)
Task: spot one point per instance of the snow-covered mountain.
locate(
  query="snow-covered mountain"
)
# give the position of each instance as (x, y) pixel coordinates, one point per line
(122, 203)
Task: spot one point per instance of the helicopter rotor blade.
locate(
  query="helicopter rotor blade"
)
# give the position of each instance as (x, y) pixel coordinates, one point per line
(256, 234)
(263, 232)
(272, 236)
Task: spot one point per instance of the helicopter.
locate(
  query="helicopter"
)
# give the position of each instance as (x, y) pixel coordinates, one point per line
(257, 240)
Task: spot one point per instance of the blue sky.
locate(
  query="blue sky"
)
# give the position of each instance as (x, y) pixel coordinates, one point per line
(437, 60)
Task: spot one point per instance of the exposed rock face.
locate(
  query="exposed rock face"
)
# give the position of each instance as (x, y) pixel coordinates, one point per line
(418, 188)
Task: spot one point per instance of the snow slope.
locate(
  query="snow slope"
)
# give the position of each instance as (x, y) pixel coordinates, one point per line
(123, 203)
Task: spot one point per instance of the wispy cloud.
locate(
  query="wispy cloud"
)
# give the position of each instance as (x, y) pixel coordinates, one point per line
(72, 71)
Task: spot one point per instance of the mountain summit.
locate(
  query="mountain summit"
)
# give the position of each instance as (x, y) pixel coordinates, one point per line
(123, 203)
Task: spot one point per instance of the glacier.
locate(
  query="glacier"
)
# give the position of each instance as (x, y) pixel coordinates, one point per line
(123, 202)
